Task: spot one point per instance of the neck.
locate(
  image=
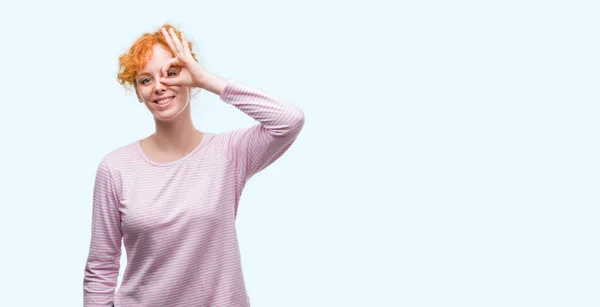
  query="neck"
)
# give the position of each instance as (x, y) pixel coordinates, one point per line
(178, 135)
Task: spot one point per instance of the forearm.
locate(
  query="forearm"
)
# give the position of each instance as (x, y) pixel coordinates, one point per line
(214, 84)
(277, 116)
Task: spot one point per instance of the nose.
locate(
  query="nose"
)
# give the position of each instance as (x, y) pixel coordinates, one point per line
(159, 87)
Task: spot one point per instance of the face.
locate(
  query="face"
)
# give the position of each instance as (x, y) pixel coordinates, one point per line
(154, 93)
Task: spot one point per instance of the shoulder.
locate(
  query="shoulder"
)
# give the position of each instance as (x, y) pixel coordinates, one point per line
(116, 162)
(119, 157)
(222, 138)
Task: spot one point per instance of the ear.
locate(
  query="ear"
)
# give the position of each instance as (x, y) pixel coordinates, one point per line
(137, 94)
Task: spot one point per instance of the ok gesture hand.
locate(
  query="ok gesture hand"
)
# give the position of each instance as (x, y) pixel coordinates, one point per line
(192, 73)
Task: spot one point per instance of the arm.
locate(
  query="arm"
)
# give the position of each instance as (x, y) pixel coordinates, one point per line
(253, 149)
(102, 266)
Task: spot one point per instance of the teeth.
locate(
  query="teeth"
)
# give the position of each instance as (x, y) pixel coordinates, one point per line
(164, 101)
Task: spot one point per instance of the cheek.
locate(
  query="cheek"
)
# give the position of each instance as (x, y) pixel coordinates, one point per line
(183, 92)
(145, 94)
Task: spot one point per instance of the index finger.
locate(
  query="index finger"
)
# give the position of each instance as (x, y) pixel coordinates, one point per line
(172, 62)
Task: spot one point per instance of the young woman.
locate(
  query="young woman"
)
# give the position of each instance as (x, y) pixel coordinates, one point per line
(172, 197)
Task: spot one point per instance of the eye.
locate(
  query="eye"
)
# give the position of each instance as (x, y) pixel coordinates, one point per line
(171, 73)
(143, 81)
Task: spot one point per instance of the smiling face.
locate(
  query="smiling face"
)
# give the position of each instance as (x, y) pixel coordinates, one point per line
(164, 102)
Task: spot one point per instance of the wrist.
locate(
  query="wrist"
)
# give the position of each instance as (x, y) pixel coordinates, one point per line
(213, 84)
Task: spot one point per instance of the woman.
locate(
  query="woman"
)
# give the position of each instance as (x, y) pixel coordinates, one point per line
(173, 197)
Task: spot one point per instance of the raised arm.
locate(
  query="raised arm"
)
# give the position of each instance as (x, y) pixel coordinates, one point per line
(251, 149)
(256, 147)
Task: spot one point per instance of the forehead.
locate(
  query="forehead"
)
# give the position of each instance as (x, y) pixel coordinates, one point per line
(158, 59)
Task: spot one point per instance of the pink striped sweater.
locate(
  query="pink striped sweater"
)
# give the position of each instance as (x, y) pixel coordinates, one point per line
(177, 219)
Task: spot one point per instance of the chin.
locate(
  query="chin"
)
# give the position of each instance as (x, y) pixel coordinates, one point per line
(175, 109)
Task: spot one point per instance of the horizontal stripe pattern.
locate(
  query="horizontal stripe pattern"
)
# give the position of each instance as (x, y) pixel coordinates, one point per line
(177, 219)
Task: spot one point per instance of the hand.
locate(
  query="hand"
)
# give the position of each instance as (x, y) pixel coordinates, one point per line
(192, 74)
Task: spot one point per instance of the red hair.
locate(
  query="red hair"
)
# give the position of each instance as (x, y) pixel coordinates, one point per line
(136, 58)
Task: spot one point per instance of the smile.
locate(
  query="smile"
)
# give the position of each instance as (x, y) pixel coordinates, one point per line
(164, 100)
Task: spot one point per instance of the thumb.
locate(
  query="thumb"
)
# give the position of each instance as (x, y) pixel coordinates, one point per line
(170, 81)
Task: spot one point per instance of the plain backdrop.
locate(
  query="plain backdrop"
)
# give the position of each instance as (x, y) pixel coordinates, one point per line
(449, 155)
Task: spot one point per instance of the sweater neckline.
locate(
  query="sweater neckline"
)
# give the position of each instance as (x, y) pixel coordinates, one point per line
(180, 160)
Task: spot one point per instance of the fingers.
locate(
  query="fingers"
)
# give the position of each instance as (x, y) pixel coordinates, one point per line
(176, 40)
(185, 44)
(181, 49)
(169, 41)
(173, 41)
(170, 63)
(169, 81)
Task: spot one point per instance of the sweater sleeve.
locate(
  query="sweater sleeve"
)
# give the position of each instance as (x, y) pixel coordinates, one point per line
(102, 266)
(254, 148)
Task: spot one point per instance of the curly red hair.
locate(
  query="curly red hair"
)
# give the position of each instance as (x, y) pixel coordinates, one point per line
(136, 58)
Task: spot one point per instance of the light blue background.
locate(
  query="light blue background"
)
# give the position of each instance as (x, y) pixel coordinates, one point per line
(449, 155)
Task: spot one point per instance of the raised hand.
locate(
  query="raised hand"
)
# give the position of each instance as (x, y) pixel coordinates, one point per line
(192, 74)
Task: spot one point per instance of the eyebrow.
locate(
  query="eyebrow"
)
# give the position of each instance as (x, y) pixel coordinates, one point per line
(143, 73)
